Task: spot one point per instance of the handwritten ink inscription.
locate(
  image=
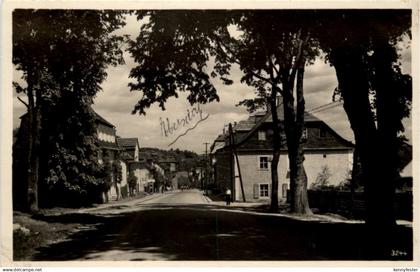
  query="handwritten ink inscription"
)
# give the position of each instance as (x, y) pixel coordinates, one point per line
(190, 120)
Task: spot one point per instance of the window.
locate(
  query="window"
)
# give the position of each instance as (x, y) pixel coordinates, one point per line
(261, 135)
(263, 162)
(305, 134)
(322, 133)
(263, 190)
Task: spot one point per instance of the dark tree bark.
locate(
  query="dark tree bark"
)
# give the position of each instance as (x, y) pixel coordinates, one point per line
(353, 83)
(388, 123)
(276, 151)
(33, 143)
(301, 194)
(355, 174)
(294, 123)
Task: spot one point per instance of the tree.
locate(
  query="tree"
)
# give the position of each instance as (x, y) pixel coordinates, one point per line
(132, 182)
(273, 62)
(322, 179)
(108, 176)
(366, 67)
(270, 61)
(63, 55)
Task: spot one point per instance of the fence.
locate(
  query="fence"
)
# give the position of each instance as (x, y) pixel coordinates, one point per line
(342, 203)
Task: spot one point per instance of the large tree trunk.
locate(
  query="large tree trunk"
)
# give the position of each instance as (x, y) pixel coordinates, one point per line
(354, 86)
(33, 141)
(301, 204)
(298, 180)
(276, 151)
(355, 174)
(388, 123)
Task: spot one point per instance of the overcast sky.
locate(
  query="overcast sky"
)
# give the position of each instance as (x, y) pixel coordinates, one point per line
(116, 102)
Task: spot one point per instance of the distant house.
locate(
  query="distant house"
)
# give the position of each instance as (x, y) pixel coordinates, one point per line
(159, 176)
(169, 165)
(130, 146)
(323, 147)
(181, 179)
(145, 180)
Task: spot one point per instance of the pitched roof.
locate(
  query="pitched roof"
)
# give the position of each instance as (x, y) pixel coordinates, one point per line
(245, 125)
(102, 120)
(253, 123)
(108, 145)
(280, 113)
(218, 143)
(127, 142)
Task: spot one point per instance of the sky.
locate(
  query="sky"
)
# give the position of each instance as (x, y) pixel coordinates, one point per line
(115, 103)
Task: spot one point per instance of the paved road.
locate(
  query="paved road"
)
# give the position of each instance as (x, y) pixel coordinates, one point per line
(183, 226)
(179, 197)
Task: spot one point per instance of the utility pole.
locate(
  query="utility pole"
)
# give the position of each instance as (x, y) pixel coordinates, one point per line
(233, 148)
(231, 166)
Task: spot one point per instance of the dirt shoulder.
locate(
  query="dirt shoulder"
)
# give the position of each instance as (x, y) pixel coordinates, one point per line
(30, 233)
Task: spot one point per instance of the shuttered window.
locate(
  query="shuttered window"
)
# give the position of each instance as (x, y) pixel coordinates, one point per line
(256, 191)
(264, 190)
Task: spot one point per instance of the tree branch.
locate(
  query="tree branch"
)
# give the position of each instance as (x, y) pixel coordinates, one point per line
(274, 67)
(223, 47)
(24, 103)
(298, 59)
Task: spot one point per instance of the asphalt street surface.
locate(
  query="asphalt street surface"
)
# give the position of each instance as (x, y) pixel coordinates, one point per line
(186, 226)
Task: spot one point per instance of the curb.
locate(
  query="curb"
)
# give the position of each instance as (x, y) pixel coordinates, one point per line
(207, 199)
(118, 204)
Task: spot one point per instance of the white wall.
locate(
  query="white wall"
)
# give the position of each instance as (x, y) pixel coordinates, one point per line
(338, 162)
(124, 173)
(136, 153)
(143, 177)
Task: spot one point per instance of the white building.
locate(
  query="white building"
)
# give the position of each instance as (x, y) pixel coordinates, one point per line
(323, 148)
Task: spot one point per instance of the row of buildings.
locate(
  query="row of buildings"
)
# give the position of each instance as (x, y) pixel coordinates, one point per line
(151, 176)
(324, 149)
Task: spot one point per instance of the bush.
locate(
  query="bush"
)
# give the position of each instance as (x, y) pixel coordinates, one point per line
(322, 179)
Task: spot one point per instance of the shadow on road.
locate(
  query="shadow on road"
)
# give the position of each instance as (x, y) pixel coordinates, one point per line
(206, 232)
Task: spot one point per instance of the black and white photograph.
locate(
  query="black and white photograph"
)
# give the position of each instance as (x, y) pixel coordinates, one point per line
(227, 134)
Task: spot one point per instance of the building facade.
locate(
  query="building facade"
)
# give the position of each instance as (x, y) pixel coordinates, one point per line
(110, 151)
(145, 179)
(325, 151)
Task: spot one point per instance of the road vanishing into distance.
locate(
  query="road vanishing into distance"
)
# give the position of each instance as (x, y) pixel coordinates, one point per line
(185, 225)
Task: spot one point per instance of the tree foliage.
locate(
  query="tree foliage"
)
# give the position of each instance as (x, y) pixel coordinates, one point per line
(273, 62)
(360, 45)
(172, 53)
(63, 55)
(322, 179)
(173, 50)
